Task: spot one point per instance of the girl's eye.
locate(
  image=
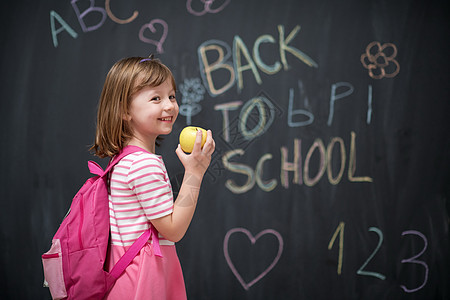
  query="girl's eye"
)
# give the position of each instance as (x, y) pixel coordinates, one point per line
(155, 99)
(172, 97)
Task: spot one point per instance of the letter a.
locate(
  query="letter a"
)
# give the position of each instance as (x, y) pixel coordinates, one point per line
(238, 47)
(54, 15)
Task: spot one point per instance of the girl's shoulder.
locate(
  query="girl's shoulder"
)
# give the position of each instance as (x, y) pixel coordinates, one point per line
(142, 159)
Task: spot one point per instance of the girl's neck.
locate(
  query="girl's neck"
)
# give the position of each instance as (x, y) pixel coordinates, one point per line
(147, 145)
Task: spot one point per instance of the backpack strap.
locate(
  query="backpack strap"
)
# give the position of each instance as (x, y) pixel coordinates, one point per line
(124, 152)
(134, 249)
(96, 169)
(131, 253)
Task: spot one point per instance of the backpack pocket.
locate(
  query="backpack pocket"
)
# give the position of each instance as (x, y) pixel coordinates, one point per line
(53, 271)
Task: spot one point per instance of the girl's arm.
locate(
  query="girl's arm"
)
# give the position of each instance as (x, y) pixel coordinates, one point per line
(174, 226)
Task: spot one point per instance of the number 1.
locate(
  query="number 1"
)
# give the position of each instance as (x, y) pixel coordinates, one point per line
(340, 231)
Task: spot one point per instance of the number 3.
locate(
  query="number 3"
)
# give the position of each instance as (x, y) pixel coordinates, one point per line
(413, 260)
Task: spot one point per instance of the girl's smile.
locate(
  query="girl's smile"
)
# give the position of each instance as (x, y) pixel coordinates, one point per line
(152, 112)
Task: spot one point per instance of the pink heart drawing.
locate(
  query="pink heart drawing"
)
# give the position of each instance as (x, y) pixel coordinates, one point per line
(150, 26)
(253, 240)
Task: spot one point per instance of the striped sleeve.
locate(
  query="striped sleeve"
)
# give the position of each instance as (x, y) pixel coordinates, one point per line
(148, 179)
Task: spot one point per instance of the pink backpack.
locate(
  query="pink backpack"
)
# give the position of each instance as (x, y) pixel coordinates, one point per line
(74, 265)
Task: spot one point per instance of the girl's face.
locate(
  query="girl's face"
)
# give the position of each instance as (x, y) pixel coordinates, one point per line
(152, 112)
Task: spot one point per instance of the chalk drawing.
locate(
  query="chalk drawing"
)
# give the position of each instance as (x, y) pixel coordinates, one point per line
(253, 240)
(206, 7)
(151, 26)
(193, 92)
(380, 61)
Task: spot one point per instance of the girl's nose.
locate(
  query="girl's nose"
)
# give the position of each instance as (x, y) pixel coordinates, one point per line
(169, 105)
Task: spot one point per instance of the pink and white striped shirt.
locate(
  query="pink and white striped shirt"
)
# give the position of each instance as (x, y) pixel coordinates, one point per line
(139, 191)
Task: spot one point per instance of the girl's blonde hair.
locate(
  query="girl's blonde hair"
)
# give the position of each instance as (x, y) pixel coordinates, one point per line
(125, 78)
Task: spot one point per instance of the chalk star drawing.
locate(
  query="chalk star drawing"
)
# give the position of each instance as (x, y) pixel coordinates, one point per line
(193, 92)
(380, 61)
(253, 240)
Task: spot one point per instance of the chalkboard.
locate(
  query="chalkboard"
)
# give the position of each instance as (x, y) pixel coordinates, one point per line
(331, 175)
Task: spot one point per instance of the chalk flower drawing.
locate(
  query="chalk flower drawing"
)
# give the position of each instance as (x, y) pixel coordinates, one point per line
(193, 92)
(206, 7)
(380, 61)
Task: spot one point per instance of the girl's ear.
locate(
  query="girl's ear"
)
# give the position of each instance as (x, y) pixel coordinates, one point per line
(126, 117)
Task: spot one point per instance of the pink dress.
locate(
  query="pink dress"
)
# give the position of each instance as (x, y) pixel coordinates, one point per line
(140, 191)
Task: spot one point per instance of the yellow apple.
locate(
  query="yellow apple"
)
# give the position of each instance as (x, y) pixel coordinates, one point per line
(187, 138)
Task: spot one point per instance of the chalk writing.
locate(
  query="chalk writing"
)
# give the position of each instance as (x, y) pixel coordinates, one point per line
(240, 169)
(318, 144)
(339, 231)
(334, 97)
(294, 166)
(225, 108)
(252, 176)
(238, 48)
(193, 92)
(91, 9)
(348, 90)
(255, 118)
(361, 271)
(206, 7)
(413, 260)
(284, 46)
(265, 38)
(253, 240)
(325, 164)
(100, 15)
(330, 148)
(254, 63)
(223, 52)
(352, 163)
(292, 112)
(380, 61)
(339, 90)
(64, 27)
(369, 104)
(117, 20)
(151, 26)
(265, 118)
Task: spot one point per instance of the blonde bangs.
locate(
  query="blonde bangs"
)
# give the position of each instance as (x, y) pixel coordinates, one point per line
(151, 74)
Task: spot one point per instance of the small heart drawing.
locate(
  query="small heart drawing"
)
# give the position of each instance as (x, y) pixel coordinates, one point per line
(253, 240)
(151, 26)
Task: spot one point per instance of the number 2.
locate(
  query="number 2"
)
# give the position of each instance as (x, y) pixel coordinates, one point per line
(369, 273)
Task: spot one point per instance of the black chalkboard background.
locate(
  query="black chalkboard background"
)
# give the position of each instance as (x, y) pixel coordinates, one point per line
(360, 87)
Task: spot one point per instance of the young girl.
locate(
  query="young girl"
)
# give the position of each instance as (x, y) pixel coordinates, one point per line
(137, 105)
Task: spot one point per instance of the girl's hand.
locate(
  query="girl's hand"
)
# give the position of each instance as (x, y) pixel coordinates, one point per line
(174, 226)
(198, 161)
